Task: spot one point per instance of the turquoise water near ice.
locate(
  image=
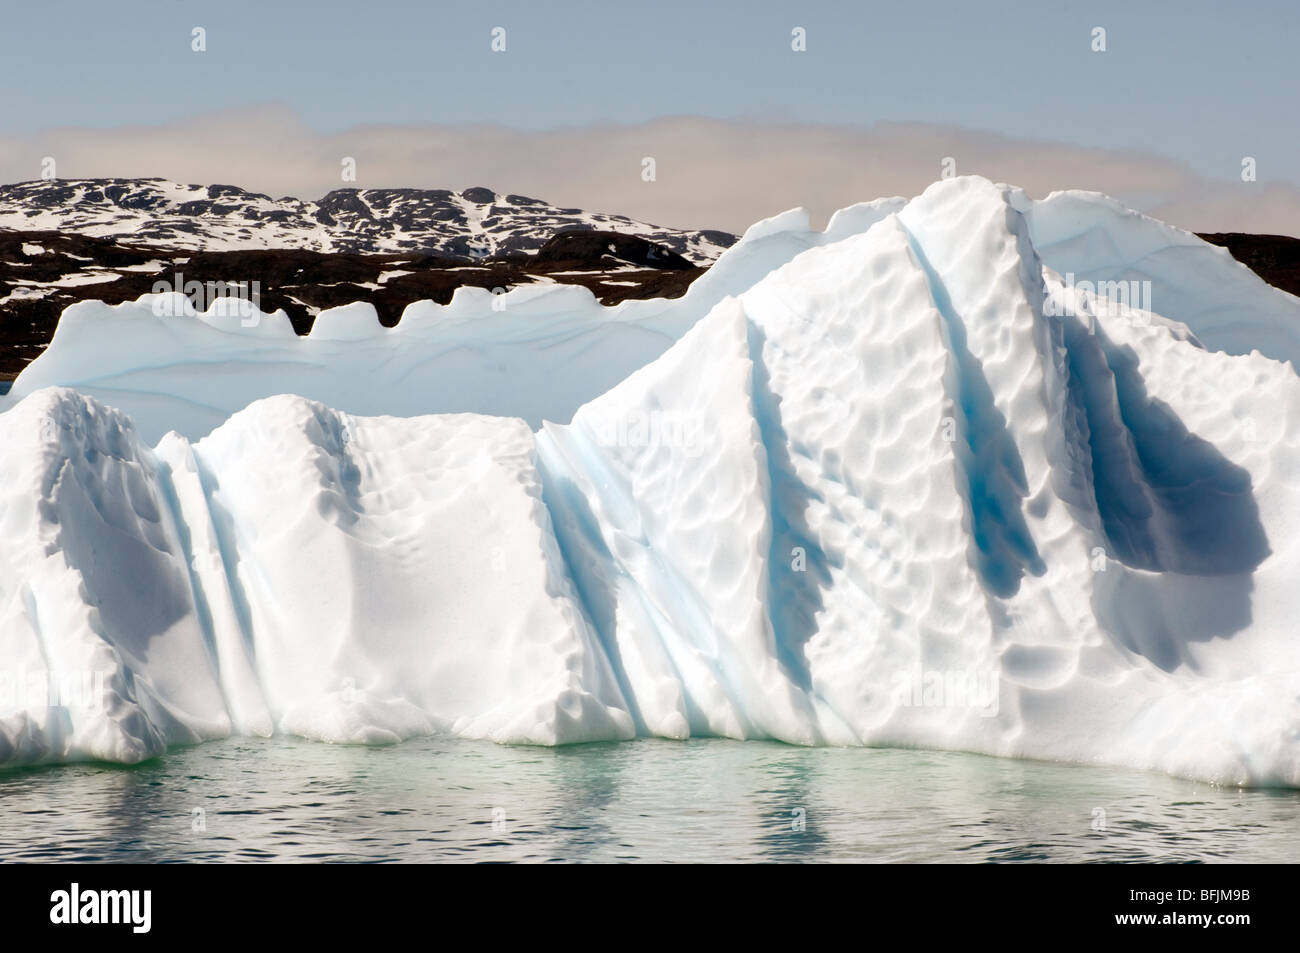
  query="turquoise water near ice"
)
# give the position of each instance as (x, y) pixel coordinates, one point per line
(441, 799)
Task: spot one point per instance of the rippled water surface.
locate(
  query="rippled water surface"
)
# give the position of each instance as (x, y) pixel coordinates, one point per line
(703, 800)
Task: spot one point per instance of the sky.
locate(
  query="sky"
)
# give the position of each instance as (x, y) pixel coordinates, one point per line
(736, 119)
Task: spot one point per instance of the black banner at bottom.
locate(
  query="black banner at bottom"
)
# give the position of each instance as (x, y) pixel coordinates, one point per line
(334, 903)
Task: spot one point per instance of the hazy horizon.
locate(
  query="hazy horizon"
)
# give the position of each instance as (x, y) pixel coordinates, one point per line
(746, 109)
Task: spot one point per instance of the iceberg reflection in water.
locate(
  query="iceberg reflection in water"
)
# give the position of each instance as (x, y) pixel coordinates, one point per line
(437, 799)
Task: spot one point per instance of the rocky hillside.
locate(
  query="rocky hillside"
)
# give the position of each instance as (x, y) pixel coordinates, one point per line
(475, 223)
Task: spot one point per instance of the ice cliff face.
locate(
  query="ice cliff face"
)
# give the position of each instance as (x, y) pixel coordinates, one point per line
(895, 483)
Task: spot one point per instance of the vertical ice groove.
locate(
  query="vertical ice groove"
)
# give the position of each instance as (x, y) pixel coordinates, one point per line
(991, 462)
(565, 468)
(658, 464)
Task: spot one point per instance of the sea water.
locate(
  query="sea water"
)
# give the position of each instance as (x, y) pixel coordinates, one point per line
(701, 800)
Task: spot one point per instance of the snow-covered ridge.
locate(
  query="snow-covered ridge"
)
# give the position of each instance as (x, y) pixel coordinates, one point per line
(474, 223)
(898, 483)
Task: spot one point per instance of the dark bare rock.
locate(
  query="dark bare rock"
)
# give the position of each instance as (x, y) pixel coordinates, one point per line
(591, 249)
(1275, 258)
(42, 272)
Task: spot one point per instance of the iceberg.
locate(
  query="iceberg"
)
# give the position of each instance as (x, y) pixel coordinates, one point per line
(919, 479)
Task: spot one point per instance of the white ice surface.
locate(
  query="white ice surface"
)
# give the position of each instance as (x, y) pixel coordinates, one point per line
(892, 483)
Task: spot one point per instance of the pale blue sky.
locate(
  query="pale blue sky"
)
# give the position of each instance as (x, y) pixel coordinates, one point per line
(1200, 82)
